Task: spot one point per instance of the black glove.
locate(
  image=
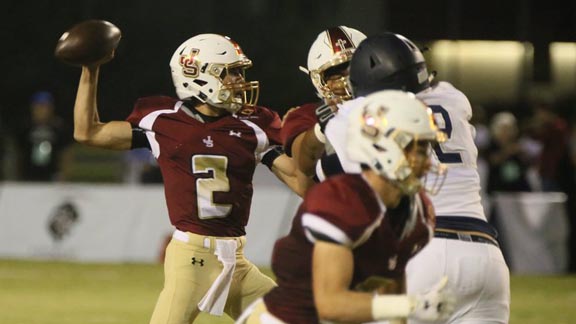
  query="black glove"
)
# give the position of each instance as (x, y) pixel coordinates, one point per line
(323, 114)
(269, 157)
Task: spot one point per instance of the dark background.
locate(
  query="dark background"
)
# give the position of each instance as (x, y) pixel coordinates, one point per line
(276, 35)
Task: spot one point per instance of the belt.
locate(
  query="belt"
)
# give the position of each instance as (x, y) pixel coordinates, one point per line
(467, 236)
(203, 241)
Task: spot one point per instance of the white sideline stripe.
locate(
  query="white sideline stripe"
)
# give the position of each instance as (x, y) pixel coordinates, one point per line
(320, 225)
(147, 122)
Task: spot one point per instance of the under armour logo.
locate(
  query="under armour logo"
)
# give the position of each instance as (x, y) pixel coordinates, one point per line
(233, 133)
(208, 141)
(201, 262)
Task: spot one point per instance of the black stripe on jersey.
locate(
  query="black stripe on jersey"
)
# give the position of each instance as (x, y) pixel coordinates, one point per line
(321, 236)
(139, 139)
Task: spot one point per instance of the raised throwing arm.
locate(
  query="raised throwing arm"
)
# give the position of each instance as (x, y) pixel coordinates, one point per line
(88, 129)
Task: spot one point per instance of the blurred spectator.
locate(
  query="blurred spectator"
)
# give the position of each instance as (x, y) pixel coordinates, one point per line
(507, 159)
(553, 133)
(43, 142)
(508, 165)
(555, 165)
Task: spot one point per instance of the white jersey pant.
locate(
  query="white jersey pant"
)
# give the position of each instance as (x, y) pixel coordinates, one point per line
(477, 275)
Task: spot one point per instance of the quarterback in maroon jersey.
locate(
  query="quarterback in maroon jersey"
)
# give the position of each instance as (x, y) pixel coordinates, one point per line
(328, 60)
(354, 233)
(207, 143)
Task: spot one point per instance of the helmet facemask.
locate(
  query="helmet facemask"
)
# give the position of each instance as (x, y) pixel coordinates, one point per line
(233, 96)
(413, 171)
(335, 72)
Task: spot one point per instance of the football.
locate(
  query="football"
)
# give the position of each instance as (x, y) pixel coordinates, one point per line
(89, 42)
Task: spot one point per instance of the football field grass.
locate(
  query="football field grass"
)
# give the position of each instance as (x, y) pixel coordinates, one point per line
(73, 293)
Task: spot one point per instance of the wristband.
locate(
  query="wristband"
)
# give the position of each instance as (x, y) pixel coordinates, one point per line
(391, 306)
(269, 157)
(319, 135)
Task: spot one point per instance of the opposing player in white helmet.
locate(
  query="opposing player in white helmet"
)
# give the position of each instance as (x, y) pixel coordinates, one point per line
(207, 142)
(328, 60)
(355, 232)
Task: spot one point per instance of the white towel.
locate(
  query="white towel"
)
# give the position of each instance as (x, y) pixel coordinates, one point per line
(215, 299)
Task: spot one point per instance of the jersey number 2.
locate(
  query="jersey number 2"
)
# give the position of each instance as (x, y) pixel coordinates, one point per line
(445, 125)
(213, 168)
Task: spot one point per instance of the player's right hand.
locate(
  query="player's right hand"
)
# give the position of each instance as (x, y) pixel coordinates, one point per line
(436, 304)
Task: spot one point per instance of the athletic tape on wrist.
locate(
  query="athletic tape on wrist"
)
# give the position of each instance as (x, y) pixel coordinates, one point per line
(391, 306)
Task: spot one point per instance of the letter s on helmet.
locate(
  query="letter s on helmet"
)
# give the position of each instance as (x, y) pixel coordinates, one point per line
(200, 65)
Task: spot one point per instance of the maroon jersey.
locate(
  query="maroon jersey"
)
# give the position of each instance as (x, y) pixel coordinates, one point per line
(297, 122)
(344, 209)
(207, 167)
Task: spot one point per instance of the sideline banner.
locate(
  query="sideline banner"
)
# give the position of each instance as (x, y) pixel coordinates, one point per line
(119, 223)
(534, 228)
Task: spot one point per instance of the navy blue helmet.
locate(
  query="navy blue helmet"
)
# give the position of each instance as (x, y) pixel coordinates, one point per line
(387, 61)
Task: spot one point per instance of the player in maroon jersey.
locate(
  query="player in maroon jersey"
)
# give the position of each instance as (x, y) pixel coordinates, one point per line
(207, 143)
(328, 60)
(354, 233)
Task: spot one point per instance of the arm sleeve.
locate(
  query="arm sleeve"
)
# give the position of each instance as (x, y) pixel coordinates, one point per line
(139, 139)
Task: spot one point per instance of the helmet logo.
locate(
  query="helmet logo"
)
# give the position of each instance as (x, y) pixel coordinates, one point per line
(339, 40)
(189, 65)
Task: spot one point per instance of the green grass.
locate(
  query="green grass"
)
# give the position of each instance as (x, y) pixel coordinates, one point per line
(72, 293)
(543, 299)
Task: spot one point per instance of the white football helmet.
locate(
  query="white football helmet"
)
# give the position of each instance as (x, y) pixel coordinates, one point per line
(200, 65)
(332, 47)
(382, 127)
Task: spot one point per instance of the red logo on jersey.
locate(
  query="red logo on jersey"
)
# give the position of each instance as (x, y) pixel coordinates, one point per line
(189, 64)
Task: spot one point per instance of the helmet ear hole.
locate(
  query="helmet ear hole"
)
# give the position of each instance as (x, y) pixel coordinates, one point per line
(372, 62)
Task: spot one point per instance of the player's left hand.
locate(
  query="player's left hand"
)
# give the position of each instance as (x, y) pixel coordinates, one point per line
(436, 304)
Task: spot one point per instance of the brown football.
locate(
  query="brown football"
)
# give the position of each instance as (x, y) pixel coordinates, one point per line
(88, 42)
